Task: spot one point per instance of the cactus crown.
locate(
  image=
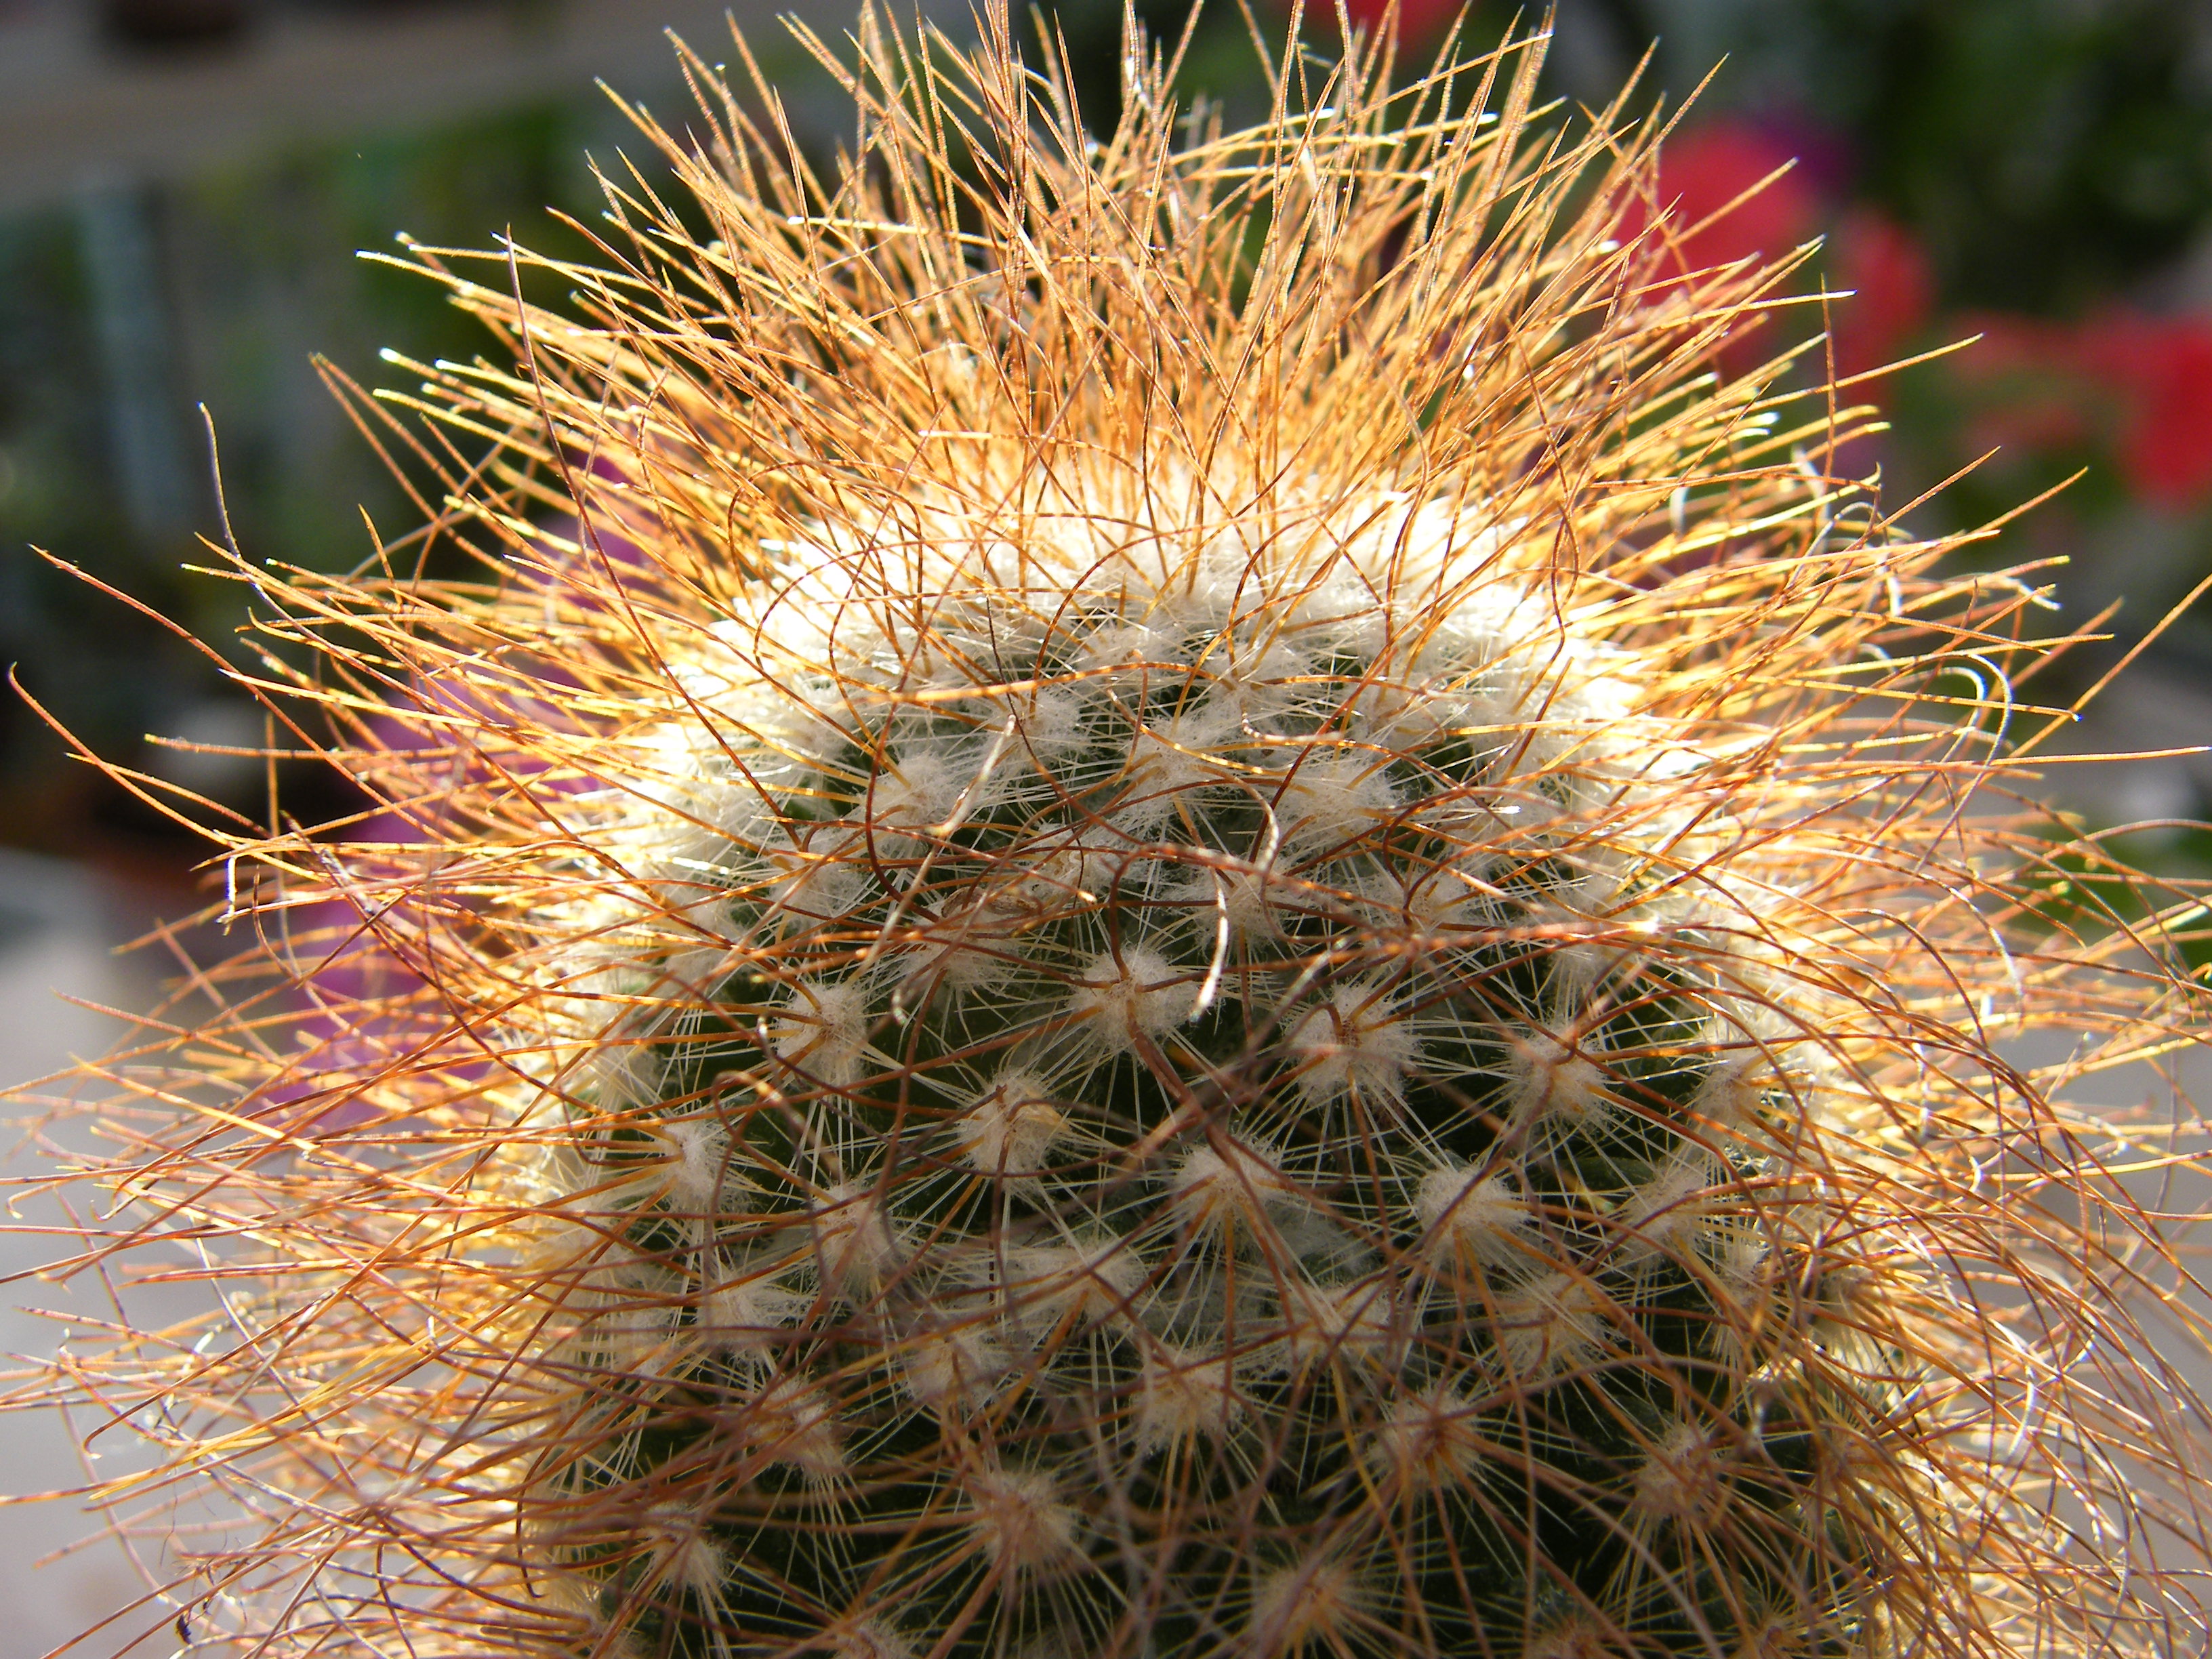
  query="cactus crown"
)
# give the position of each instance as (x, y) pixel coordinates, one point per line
(1209, 906)
(1186, 1108)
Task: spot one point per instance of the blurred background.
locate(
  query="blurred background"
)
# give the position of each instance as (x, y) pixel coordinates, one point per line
(185, 184)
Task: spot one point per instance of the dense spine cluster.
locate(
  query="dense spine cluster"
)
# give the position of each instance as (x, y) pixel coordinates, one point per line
(1203, 895)
(1191, 1113)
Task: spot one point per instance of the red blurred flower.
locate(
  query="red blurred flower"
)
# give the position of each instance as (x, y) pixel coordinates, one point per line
(2022, 378)
(1723, 200)
(2160, 370)
(1892, 288)
(1704, 170)
(1420, 21)
(2140, 384)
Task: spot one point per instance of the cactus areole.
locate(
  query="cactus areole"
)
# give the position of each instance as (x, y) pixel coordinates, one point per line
(1209, 894)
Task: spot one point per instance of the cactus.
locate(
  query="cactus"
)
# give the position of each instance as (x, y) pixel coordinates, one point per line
(1207, 906)
(1201, 1120)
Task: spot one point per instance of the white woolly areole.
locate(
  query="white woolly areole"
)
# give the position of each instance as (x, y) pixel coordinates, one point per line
(1432, 1440)
(1553, 1324)
(823, 1029)
(1331, 799)
(692, 975)
(1445, 900)
(687, 1555)
(1354, 1323)
(1733, 1095)
(855, 1242)
(1018, 1518)
(1011, 1128)
(697, 1165)
(1553, 1078)
(950, 1370)
(929, 792)
(1136, 994)
(869, 1638)
(971, 950)
(1578, 1636)
(1256, 685)
(1127, 642)
(1355, 1041)
(1680, 1478)
(1052, 728)
(1184, 1395)
(823, 882)
(1173, 759)
(1305, 1605)
(790, 1421)
(617, 1077)
(1090, 1279)
(1061, 872)
(1485, 1219)
(1247, 902)
(636, 1330)
(1230, 1183)
(1668, 1216)
(746, 1316)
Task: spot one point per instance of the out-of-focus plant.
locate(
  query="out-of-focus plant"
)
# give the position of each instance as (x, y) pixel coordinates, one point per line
(2034, 171)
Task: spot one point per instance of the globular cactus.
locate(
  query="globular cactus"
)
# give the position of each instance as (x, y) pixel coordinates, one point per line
(1188, 1106)
(1203, 907)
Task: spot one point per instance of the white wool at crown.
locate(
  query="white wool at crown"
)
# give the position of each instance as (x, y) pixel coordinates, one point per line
(816, 650)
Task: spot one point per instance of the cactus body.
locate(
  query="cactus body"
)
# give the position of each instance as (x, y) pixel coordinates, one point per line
(1200, 1130)
(1169, 898)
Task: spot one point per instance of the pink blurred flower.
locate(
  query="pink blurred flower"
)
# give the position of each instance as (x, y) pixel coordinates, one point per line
(365, 955)
(356, 973)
